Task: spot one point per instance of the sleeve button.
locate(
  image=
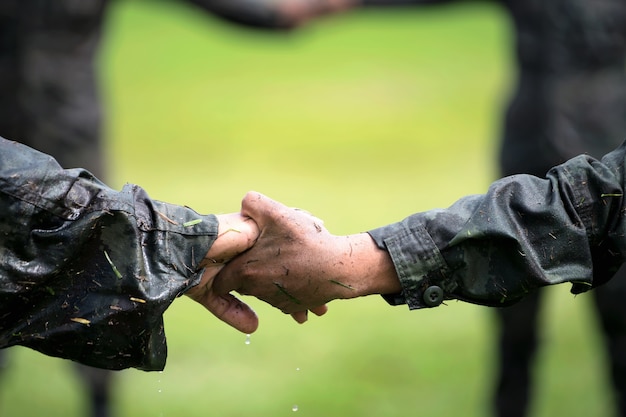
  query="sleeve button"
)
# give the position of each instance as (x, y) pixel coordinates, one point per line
(433, 296)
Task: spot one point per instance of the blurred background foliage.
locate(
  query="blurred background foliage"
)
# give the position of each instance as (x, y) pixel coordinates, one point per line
(362, 119)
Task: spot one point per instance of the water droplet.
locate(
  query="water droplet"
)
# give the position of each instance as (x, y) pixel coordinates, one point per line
(247, 342)
(294, 408)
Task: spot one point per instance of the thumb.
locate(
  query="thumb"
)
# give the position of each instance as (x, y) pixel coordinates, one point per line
(260, 208)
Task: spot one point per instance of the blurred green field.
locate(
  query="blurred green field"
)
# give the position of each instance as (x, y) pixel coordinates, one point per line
(361, 119)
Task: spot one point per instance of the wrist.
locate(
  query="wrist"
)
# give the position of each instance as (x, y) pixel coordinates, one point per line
(369, 269)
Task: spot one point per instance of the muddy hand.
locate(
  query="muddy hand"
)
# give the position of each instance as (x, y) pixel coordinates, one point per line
(296, 265)
(236, 234)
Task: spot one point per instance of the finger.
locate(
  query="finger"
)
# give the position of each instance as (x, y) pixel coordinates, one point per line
(303, 316)
(233, 312)
(300, 316)
(320, 311)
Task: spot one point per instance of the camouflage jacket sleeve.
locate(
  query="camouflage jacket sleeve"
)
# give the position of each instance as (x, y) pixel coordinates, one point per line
(86, 272)
(524, 233)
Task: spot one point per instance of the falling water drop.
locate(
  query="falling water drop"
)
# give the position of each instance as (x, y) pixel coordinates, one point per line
(160, 390)
(294, 408)
(247, 342)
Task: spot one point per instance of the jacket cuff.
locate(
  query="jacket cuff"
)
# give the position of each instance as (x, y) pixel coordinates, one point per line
(418, 263)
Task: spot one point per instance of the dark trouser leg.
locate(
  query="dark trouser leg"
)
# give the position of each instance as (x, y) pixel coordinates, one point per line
(98, 383)
(60, 106)
(517, 346)
(611, 305)
(71, 133)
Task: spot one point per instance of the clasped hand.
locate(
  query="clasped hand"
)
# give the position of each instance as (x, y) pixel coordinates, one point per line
(287, 258)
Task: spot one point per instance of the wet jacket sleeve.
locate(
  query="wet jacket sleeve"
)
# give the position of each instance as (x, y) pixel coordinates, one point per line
(86, 272)
(524, 233)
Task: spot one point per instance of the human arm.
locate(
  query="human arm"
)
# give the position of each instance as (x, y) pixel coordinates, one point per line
(274, 14)
(290, 14)
(86, 272)
(491, 249)
(287, 14)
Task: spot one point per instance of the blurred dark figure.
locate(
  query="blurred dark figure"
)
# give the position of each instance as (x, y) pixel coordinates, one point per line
(569, 99)
(49, 96)
(49, 101)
